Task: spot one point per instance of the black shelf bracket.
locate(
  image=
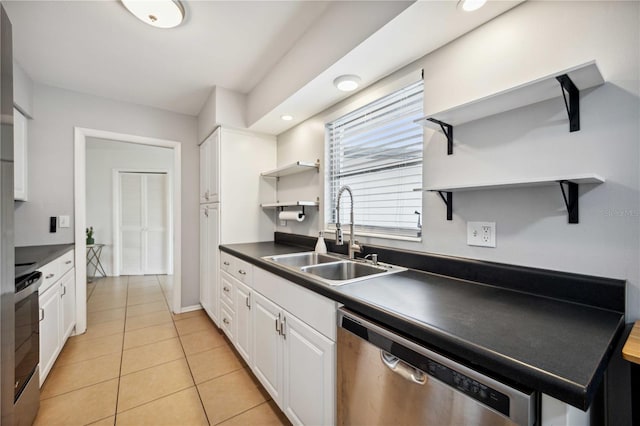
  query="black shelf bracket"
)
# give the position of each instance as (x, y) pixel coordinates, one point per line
(573, 106)
(572, 201)
(447, 197)
(447, 129)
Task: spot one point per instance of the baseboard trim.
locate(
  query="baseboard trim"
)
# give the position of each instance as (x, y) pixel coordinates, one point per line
(191, 308)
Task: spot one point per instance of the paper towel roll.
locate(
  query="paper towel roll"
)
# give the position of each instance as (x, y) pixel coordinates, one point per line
(298, 216)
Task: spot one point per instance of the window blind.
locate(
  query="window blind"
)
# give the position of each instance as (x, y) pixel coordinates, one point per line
(377, 151)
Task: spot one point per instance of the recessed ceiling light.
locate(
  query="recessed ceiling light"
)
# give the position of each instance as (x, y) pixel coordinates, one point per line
(347, 83)
(159, 13)
(286, 117)
(471, 5)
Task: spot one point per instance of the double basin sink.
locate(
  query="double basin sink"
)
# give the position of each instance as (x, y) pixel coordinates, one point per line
(331, 269)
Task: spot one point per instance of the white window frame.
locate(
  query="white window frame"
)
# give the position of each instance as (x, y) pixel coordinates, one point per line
(392, 232)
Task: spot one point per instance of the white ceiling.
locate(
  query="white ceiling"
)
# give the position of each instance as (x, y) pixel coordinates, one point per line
(99, 48)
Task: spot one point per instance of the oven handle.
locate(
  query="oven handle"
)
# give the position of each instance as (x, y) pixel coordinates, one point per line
(28, 291)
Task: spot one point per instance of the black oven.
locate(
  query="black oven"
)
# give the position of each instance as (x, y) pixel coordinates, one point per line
(27, 353)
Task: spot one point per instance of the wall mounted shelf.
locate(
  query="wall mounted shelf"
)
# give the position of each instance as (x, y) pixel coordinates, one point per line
(566, 82)
(570, 195)
(290, 204)
(290, 169)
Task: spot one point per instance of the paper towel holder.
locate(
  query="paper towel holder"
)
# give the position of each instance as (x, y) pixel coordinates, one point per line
(281, 208)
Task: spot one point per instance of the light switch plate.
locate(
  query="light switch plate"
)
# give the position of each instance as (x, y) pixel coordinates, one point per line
(63, 221)
(481, 234)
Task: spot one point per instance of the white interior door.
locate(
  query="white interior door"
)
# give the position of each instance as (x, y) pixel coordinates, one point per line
(144, 218)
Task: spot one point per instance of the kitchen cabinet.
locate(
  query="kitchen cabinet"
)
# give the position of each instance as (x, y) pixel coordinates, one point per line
(209, 237)
(243, 303)
(50, 337)
(230, 160)
(209, 155)
(267, 344)
(57, 303)
(20, 168)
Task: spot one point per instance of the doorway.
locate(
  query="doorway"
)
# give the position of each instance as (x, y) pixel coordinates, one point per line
(173, 185)
(141, 212)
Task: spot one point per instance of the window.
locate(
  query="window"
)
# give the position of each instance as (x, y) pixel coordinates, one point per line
(377, 151)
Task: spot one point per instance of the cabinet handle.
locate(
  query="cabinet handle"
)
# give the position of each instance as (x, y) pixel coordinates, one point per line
(41, 314)
(278, 324)
(206, 195)
(225, 263)
(226, 289)
(206, 212)
(49, 276)
(248, 301)
(64, 290)
(241, 272)
(283, 326)
(226, 321)
(68, 262)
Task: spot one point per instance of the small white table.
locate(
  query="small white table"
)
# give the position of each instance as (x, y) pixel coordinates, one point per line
(93, 259)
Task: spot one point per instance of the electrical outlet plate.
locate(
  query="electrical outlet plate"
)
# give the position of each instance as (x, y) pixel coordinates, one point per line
(481, 234)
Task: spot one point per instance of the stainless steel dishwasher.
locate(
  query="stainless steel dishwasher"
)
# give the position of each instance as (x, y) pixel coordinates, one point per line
(385, 379)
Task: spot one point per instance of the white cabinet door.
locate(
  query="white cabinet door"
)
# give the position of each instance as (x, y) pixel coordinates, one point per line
(209, 169)
(19, 156)
(267, 346)
(68, 303)
(50, 338)
(209, 258)
(243, 320)
(309, 375)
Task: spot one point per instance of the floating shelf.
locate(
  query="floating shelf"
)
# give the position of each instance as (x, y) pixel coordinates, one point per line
(569, 81)
(290, 169)
(290, 204)
(571, 182)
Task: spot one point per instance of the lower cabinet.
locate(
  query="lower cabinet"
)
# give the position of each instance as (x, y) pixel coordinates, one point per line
(50, 337)
(286, 334)
(295, 364)
(57, 303)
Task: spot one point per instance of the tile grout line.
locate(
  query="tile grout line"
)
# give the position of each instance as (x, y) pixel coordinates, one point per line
(115, 410)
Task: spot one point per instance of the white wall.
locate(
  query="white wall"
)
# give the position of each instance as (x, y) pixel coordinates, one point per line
(103, 156)
(22, 90)
(56, 113)
(534, 39)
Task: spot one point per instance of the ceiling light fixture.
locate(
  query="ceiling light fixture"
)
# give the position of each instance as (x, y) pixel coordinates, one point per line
(471, 5)
(347, 83)
(286, 117)
(158, 13)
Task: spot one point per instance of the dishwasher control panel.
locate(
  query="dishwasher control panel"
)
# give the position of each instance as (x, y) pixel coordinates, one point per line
(476, 390)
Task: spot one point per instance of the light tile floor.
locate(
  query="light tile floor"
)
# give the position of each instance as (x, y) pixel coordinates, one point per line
(138, 364)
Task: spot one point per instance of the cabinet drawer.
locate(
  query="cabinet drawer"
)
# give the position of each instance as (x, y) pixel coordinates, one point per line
(226, 262)
(226, 320)
(226, 290)
(243, 271)
(66, 262)
(50, 274)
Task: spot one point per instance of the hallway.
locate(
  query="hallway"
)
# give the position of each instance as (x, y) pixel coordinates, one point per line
(140, 364)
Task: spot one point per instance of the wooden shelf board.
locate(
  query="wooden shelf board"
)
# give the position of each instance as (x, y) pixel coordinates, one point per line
(631, 349)
(290, 204)
(583, 76)
(290, 169)
(522, 183)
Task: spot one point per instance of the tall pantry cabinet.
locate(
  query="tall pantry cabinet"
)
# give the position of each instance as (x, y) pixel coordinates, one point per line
(230, 195)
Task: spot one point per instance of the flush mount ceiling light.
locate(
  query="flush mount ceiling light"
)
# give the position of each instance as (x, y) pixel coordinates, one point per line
(471, 5)
(347, 83)
(159, 13)
(286, 117)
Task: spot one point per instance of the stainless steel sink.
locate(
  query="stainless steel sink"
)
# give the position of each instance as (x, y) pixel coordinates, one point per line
(298, 260)
(333, 270)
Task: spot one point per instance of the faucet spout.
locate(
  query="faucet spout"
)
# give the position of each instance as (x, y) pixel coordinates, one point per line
(353, 246)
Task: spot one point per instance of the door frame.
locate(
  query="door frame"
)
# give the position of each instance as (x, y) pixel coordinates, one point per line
(115, 176)
(80, 135)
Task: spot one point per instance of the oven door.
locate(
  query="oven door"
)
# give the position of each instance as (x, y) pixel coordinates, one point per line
(26, 331)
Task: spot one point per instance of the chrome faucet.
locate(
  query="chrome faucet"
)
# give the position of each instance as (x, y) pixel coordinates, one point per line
(353, 245)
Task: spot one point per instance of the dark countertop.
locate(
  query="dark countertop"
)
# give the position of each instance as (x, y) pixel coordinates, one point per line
(30, 258)
(556, 347)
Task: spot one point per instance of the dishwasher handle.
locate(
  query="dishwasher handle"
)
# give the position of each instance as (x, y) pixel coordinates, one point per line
(401, 368)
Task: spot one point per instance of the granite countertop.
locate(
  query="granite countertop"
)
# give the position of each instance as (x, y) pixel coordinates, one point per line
(30, 258)
(556, 347)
